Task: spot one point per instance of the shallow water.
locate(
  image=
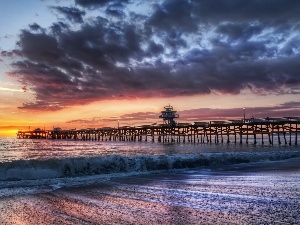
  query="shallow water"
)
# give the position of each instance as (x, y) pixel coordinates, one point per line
(12, 149)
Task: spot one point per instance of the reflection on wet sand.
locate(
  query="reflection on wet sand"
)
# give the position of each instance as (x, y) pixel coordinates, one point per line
(258, 193)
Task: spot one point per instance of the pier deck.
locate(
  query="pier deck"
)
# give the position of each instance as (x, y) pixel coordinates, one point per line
(279, 130)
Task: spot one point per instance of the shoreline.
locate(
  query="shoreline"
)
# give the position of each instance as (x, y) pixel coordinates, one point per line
(265, 192)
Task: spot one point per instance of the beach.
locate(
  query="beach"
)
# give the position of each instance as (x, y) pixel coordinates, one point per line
(263, 192)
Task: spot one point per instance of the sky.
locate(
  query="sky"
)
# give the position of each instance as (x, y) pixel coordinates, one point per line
(89, 63)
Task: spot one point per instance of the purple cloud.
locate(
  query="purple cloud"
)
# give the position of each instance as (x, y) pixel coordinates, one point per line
(71, 13)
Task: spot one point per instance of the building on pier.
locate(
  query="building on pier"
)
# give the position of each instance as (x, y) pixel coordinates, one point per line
(168, 116)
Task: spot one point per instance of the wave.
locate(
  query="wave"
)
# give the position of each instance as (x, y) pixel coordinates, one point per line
(112, 164)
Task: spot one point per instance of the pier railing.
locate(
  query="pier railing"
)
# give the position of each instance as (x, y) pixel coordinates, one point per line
(271, 131)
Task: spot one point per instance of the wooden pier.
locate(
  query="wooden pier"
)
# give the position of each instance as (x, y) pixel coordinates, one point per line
(268, 131)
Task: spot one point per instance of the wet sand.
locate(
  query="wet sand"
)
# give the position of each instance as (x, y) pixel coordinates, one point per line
(256, 193)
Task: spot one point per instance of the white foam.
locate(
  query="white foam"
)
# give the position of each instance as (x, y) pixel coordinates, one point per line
(112, 164)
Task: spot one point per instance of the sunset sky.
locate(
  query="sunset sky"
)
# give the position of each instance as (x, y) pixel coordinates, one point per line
(89, 63)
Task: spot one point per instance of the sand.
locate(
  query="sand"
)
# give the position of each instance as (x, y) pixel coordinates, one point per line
(256, 193)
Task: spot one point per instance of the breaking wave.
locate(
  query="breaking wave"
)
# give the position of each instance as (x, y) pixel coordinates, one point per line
(113, 164)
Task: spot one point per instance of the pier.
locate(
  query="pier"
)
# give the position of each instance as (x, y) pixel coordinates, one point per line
(281, 131)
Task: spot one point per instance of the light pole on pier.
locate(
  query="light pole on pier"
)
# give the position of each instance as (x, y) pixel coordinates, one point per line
(244, 114)
(118, 123)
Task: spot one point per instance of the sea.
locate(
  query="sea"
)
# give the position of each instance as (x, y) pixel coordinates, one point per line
(121, 182)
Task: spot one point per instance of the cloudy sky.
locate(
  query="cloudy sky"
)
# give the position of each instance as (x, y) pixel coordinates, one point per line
(89, 63)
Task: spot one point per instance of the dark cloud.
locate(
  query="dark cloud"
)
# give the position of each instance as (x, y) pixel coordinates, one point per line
(176, 14)
(91, 121)
(51, 106)
(58, 27)
(115, 13)
(179, 48)
(292, 47)
(11, 53)
(24, 88)
(94, 4)
(71, 13)
(190, 15)
(35, 27)
(6, 54)
(40, 47)
(236, 31)
(155, 48)
(268, 11)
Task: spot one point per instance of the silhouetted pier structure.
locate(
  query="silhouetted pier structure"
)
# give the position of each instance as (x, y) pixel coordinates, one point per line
(264, 131)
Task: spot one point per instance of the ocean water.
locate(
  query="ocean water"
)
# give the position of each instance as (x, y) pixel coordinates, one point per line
(95, 182)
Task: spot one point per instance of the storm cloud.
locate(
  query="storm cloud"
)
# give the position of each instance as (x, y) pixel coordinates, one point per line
(71, 13)
(173, 48)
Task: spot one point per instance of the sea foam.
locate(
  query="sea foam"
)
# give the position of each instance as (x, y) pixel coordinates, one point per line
(112, 164)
